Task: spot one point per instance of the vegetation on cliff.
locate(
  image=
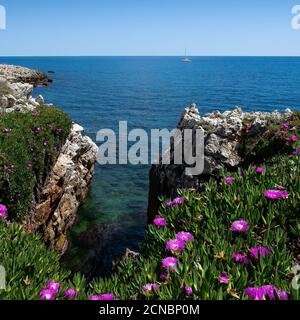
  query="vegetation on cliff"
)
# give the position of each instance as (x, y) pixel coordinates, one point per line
(30, 144)
(233, 241)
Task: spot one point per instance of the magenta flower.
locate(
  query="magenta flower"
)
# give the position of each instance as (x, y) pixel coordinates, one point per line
(47, 294)
(188, 291)
(37, 130)
(53, 286)
(175, 202)
(223, 278)
(179, 200)
(276, 194)
(71, 293)
(3, 212)
(260, 170)
(240, 226)
(293, 138)
(107, 297)
(160, 221)
(94, 298)
(163, 277)
(237, 257)
(103, 297)
(175, 245)
(296, 152)
(255, 293)
(286, 126)
(185, 237)
(149, 287)
(264, 292)
(229, 180)
(256, 252)
(170, 263)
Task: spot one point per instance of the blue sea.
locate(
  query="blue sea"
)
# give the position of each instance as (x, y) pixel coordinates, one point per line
(148, 92)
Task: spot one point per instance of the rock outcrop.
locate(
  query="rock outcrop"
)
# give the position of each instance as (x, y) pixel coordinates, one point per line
(227, 139)
(68, 183)
(24, 75)
(66, 187)
(16, 87)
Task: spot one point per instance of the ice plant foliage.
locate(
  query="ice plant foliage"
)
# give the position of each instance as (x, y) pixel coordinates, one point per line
(240, 226)
(276, 194)
(185, 237)
(170, 263)
(160, 221)
(175, 245)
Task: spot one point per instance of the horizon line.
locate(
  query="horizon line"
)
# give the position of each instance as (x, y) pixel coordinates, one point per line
(137, 56)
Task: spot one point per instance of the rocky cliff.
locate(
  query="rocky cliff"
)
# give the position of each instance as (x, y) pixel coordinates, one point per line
(68, 183)
(228, 140)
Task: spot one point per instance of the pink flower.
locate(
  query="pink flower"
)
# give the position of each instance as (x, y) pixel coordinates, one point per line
(149, 288)
(185, 237)
(175, 202)
(103, 297)
(264, 292)
(175, 245)
(170, 263)
(229, 180)
(179, 200)
(260, 170)
(160, 221)
(71, 293)
(293, 138)
(223, 278)
(3, 212)
(37, 130)
(276, 194)
(237, 257)
(54, 286)
(47, 294)
(259, 251)
(286, 126)
(107, 297)
(296, 152)
(240, 226)
(188, 291)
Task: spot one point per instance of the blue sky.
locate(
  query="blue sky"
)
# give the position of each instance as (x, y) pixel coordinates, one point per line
(149, 27)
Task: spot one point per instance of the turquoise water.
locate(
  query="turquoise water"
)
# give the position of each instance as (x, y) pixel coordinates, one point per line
(149, 92)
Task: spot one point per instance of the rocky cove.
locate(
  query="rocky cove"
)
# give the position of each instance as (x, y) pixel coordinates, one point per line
(229, 138)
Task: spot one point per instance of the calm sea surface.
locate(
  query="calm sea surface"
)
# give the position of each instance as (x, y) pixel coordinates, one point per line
(148, 92)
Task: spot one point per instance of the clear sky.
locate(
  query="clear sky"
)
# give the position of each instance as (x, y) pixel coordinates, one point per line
(149, 27)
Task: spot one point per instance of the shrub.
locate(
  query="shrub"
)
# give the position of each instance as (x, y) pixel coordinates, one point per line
(30, 265)
(29, 146)
(4, 89)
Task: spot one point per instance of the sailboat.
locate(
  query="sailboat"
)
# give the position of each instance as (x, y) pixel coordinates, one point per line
(186, 59)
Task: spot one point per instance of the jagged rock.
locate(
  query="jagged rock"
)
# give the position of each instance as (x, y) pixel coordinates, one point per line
(225, 135)
(66, 187)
